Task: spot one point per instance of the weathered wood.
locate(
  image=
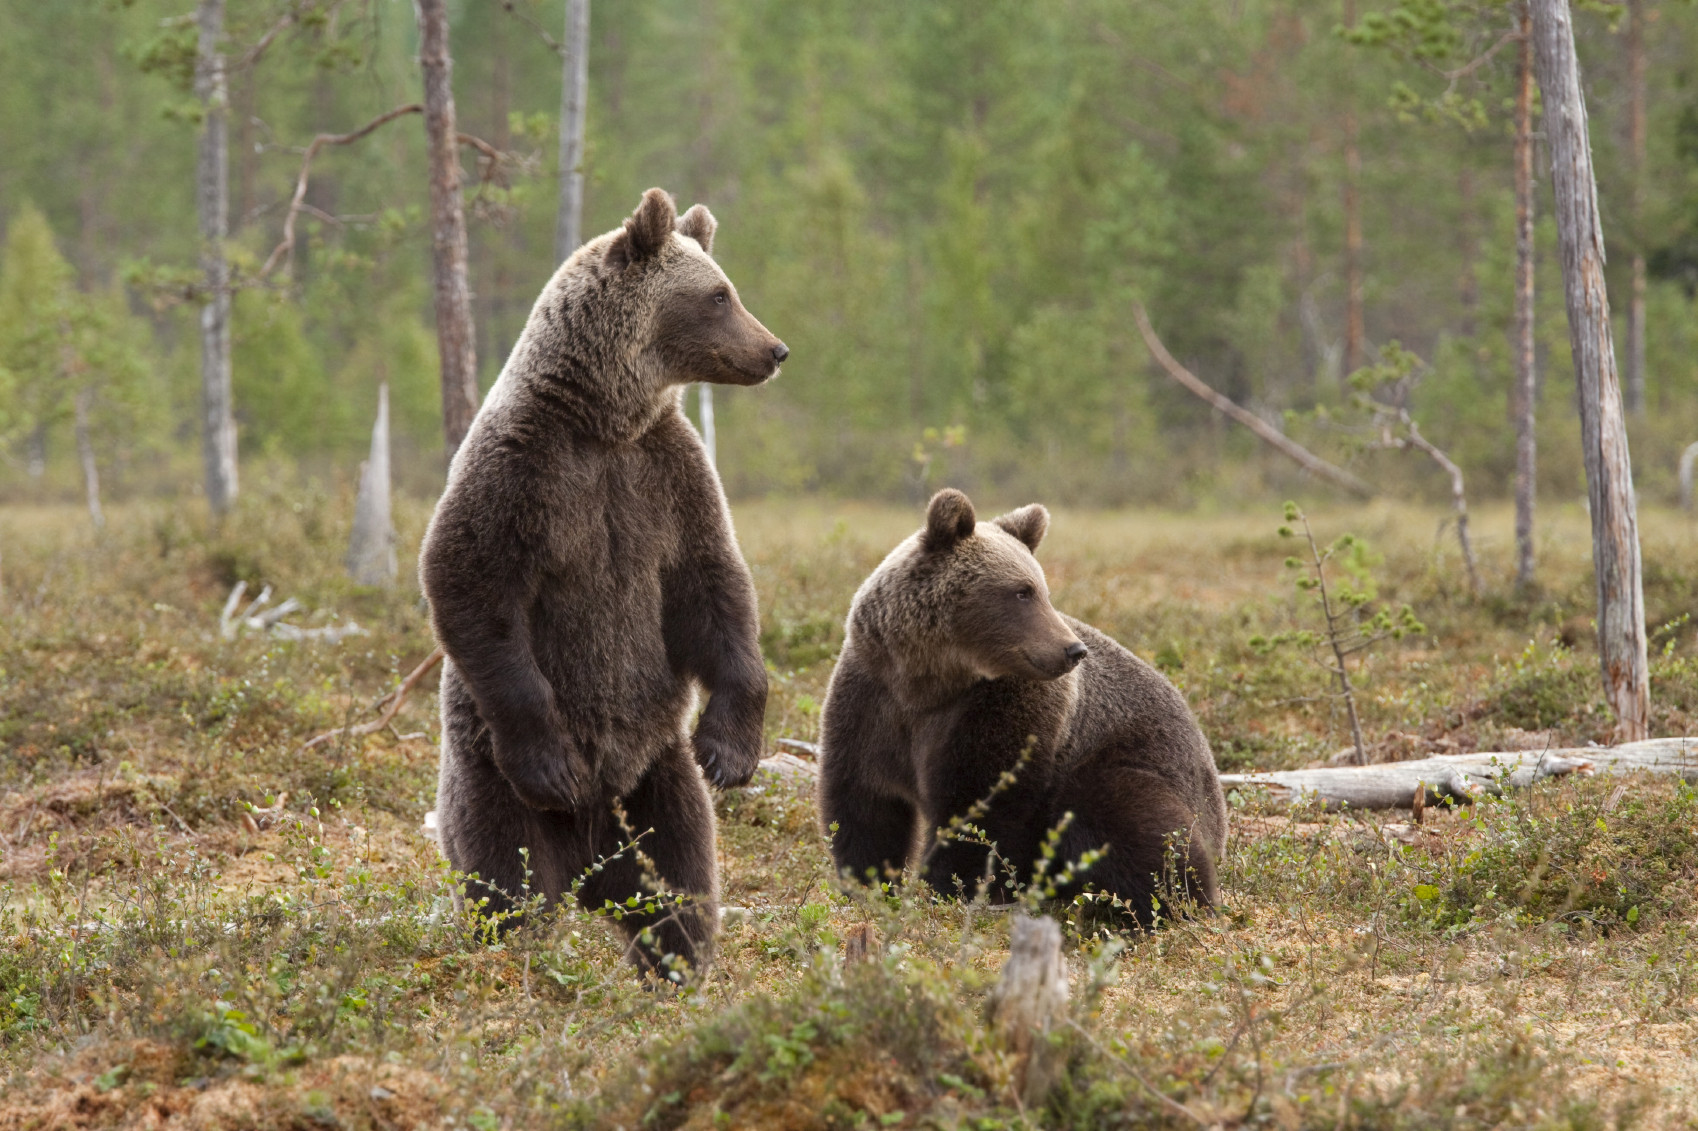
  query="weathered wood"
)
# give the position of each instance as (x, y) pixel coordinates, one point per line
(1264, 431)
(456, 341)
(1029, 1002)
(391, 707)
(1603, 429)
(371, 546)
(1687, 458)
(212, 199)
(1461, 778)
(574, 95)
(1523, 400)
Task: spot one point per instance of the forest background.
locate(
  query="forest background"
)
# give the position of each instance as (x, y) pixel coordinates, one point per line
(947, 211)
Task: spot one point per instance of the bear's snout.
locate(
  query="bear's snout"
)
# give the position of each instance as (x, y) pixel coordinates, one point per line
(780, 351)
(1075, 652)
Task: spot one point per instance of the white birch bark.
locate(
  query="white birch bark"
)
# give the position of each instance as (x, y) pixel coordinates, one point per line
(212, 197)
(574, 95)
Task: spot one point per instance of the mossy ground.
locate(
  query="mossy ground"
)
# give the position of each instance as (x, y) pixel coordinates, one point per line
(207, 927)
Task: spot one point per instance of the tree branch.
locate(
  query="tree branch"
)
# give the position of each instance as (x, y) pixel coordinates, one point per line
(554, 45)
(285, 249)
(1269, 435)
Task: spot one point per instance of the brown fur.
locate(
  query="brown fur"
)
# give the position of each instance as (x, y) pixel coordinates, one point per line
(954, 666)
(584, 579)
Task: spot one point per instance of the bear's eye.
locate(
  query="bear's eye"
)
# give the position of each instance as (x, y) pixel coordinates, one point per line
(719, 298)
(1026, 593)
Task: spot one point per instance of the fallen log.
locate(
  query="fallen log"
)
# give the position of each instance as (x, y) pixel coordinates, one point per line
(1461, 778)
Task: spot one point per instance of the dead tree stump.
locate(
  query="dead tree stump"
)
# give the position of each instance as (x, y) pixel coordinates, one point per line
(1029, 1002)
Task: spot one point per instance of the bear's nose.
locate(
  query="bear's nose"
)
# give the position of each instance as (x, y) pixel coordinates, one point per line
(1076, 651)
(780, 352)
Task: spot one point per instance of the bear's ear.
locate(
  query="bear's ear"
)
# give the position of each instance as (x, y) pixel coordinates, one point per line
(698, 223)
(949, 518)
(1029, 524)
(646, 230)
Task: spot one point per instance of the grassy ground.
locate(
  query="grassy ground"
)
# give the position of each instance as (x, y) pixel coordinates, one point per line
(207, 927)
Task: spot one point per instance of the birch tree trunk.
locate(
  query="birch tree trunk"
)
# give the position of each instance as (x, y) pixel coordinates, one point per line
(704, 403)
(456, 341)
(574, 95)
(85, 454)
(1523, 399)
(371, 546)
(1636, 148)
(212, 198)
(1609, 474)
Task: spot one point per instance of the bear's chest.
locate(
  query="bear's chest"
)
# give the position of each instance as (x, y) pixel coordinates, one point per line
(613, 527)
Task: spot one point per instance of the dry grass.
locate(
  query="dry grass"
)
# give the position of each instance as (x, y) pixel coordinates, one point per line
(207, 928)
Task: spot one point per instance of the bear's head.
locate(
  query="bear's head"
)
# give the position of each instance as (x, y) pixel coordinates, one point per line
(964, 598)
(632, 315)
(697, 329)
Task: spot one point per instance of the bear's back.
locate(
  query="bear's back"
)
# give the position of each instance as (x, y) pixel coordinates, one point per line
(1127, 706)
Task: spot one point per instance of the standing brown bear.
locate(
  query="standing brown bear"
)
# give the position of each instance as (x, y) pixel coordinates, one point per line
(585, 581)
(954, 666)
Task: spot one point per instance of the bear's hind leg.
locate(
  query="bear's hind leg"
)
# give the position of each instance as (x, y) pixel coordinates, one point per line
(672, 815)
(1155, 857)
(483, 827)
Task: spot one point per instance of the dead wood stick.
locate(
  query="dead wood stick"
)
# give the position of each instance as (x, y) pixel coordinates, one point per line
(1264, 431)
(1462, 778)
(394, 700)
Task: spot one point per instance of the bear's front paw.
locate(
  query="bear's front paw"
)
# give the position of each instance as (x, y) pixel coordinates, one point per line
(544, 775)
(726, 760)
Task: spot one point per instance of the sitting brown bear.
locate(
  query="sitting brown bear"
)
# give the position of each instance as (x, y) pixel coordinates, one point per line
(585, 582)
(955, 667)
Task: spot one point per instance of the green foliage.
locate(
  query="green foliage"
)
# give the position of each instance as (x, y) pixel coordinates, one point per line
(57, 342)
(1613, 855)
(1340, 585)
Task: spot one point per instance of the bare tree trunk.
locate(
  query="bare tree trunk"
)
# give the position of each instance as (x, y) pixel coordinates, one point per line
(1463, 778)
(218, 421)
(574, 95)
(1523, 399)
(1355, 330)
(1029, 1001)
(371, 546)
(85, 453)
(704, 403)
(456, 340)
(1636, 143)
(1609, 471)
(1688, 457)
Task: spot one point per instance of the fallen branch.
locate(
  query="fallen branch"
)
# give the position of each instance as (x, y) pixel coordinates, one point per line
(258, 618)
(1462, 778)
(394, 700)
(1264, 431)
